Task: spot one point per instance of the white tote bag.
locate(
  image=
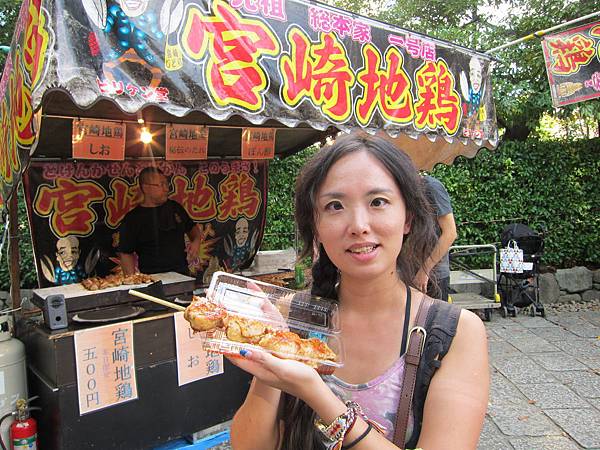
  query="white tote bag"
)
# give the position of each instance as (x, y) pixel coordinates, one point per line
(511, 258)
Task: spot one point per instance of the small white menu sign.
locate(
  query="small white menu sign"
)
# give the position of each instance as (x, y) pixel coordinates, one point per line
(193, 361)
(105, 366)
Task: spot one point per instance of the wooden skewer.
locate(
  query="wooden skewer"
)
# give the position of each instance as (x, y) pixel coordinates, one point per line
(156, 300)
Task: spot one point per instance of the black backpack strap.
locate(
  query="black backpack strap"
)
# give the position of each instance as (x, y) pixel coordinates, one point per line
(441, 325)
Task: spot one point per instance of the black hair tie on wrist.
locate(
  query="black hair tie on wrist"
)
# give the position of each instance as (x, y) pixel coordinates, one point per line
(358, 439)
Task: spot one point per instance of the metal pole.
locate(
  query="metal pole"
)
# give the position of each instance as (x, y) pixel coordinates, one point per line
(13, 251)
(541, 33)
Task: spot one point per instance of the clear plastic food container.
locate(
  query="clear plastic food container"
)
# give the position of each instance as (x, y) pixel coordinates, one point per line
(286, 323)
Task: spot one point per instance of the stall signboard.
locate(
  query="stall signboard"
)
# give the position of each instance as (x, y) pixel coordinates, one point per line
(258, 143)
(98, 140)
(291, 61)
(573, 64)
(186, 142)
(75, 209)
(193, 361)
(105, 362)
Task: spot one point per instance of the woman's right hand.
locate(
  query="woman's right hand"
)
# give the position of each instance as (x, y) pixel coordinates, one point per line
(293, 377)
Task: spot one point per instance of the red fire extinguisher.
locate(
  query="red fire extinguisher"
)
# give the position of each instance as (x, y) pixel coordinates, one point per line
(23, 431)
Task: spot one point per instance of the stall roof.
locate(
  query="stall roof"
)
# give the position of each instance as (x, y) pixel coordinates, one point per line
(304, 68)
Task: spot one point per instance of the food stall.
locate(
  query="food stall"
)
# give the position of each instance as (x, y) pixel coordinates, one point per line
(208, 91)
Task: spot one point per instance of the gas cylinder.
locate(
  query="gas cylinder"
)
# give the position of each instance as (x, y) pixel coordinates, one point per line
(23, 431)
(13, 381)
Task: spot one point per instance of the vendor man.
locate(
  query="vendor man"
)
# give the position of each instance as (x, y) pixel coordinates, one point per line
(155, 229)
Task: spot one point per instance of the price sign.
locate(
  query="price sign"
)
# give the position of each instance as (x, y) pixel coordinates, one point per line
(186, 142)
(193, 361)
(98, 139)
(258, 143)
(105, 366)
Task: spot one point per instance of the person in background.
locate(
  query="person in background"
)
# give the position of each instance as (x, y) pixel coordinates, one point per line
(373, 235)
(155, 229)
(438, 262)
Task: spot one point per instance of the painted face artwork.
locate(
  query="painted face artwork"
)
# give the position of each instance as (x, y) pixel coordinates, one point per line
(67, 252)
(361, 224)
(133, 8)
(241, 232)
(475, 74)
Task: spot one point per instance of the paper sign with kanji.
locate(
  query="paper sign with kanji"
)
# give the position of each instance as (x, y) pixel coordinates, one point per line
(186, 142)
(105, 366)
(98, 139)
(258, 143)
(193, 361)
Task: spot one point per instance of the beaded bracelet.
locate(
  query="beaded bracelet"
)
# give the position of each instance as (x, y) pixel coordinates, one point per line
(336, 430)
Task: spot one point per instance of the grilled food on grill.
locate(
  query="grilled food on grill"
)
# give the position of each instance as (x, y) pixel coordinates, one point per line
(204, 315)
(114, 280)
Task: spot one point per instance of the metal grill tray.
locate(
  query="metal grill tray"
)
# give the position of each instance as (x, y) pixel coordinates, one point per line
(111, 314)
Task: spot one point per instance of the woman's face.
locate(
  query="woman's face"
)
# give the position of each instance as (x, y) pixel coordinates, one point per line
(361, 217)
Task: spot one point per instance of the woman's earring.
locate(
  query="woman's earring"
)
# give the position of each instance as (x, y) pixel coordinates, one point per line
(336, 286)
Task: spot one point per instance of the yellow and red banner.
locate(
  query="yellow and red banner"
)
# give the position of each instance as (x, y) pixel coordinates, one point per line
(573, 64)
(239, 63)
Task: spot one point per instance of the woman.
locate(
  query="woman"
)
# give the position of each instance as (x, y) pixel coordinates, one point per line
(361, 201)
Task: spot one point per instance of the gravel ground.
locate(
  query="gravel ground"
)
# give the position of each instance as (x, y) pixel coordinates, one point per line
(592, 305)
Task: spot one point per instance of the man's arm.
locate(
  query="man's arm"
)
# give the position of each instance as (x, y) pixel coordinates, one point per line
(447, 238)
(195, 237)
(127, 263)
(445, 241)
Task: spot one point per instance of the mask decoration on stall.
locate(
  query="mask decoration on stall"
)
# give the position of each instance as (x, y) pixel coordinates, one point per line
(68, 269)
(473, 90)
(132, 32)
(240, 247)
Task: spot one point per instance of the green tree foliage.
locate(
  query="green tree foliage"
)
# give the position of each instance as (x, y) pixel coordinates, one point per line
(280, 231)
(27, 271)
(9, 11)
(519, 80)
(550, 186)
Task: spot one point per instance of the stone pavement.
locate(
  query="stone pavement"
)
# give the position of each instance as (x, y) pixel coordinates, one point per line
(545, 390)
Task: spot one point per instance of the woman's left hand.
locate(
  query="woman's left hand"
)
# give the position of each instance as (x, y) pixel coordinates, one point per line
(293, 377)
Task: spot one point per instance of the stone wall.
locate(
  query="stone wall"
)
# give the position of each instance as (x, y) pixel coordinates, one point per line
(570, 285)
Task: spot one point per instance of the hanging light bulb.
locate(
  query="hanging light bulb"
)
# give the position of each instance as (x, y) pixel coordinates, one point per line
(145, 136)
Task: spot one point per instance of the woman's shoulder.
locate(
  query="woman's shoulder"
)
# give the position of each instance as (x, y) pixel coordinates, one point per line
(470, 327)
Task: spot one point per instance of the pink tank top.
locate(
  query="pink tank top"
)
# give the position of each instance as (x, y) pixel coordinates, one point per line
(378, 398)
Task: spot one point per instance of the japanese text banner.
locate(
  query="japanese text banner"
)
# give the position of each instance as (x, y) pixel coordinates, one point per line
(573, 64)
(75, 209)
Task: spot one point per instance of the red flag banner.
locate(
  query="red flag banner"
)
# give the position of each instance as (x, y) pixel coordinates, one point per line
(573, 64)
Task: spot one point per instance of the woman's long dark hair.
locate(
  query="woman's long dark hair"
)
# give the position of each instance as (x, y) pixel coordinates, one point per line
(299, 431)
